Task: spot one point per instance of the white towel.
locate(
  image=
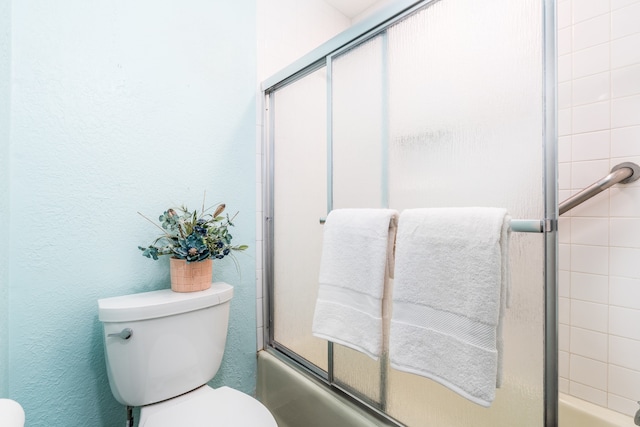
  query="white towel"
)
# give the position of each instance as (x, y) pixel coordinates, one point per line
(449, 296)
(356, 253)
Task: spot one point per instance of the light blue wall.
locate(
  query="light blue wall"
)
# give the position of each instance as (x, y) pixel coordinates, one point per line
(5, 108)
(119, 107)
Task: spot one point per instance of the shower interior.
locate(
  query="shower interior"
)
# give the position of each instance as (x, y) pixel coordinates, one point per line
(397, 119)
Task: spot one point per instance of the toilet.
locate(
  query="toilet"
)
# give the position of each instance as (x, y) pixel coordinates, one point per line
(162, 347)
(11, 413)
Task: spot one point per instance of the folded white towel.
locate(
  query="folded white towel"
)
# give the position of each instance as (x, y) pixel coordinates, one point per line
(449, 296)
(356, 249)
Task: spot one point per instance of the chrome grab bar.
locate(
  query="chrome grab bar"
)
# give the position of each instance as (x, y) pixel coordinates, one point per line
(622, 173)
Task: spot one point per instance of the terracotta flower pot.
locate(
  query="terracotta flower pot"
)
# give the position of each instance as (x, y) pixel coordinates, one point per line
(190, 276)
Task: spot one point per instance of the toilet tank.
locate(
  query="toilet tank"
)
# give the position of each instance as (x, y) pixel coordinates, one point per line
(176, 341)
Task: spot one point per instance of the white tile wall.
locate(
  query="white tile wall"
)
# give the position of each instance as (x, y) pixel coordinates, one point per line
(588, 372)
(593, 287)
(617, 4)
(590, 61)
(590, 344)
(591, 145)
(625, 81)
(624, 292)
(625, 51)
(587, 9)
(591, 32)
(624, 21)
(599, 127)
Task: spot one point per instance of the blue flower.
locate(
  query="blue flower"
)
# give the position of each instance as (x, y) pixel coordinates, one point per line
(193, 236)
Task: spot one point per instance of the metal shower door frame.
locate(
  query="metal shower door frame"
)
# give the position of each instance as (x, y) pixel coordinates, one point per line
(321, 57)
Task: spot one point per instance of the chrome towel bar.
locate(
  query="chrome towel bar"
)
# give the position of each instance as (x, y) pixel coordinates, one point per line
(517, 225)
(622, 173)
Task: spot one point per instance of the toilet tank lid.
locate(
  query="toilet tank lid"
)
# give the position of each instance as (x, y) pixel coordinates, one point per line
(165, 302)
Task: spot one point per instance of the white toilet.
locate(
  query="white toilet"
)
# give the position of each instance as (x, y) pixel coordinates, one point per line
(161, 349)
(11, 413)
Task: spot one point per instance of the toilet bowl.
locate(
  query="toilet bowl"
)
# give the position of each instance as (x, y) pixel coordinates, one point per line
(11, 413)
(228, 407)
(162, 347)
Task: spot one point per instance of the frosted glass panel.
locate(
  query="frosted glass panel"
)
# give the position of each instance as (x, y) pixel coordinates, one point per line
(358, 125)
(300, 199)
(359, 122)
(465, 101)
(465, 129)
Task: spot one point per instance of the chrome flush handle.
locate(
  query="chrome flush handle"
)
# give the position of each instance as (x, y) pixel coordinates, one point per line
(124, 334)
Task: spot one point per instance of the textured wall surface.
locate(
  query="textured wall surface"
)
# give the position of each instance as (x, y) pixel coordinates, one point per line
(289, 29)
(119, 107)
(5, 108)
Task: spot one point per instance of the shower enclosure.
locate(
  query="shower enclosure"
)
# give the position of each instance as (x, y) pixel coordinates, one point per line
(446, 103)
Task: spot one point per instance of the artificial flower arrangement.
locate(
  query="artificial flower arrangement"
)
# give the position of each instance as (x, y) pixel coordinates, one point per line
(193, 236)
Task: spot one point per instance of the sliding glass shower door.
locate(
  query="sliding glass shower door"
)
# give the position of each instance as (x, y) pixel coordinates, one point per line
(300, 173)
(442, 108)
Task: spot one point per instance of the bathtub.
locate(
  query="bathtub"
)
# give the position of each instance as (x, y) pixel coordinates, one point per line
(297, 400)
(579, 413)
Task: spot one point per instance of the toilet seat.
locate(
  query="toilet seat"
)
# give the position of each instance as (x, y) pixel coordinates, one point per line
(206, 407)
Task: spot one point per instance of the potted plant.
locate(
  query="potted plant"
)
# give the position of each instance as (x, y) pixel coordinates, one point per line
(193, 240)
